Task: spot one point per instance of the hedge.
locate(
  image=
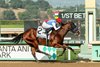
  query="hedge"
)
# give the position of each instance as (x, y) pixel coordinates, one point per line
(11, 22)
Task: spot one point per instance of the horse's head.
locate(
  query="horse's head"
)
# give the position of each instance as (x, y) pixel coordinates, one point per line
(73, 28)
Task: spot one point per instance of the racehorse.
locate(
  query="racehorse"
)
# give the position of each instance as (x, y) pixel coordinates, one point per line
(56, 38)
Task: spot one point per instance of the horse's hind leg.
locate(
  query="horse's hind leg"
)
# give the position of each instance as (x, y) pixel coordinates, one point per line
(34, 47)
(34, 54)
(44, 53)
(64, 49)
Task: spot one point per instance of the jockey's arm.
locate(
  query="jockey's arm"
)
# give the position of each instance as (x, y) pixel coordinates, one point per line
(55, 27)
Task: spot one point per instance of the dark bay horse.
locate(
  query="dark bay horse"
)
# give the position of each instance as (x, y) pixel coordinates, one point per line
(56, 38)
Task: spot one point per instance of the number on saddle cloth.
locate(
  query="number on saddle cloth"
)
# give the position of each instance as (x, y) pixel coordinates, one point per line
(41, 32)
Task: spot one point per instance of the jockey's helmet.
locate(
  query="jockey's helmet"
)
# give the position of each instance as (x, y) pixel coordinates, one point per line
(59, 20)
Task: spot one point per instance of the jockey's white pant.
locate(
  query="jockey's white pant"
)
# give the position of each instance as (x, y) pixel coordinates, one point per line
(46, 26)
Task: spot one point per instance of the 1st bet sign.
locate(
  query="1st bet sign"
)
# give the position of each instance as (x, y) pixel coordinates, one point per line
(72, 15)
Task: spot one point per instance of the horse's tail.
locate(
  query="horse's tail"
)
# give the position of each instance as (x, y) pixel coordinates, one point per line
(18, 38)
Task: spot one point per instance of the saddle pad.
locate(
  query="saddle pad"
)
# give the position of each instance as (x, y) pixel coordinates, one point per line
(41, 32)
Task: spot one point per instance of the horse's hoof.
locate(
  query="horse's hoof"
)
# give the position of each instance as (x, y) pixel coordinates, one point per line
(37, 61)
(75, 53)
(59, 55)
(49, 57)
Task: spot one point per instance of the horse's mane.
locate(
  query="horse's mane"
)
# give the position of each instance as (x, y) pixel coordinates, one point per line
(66, 22)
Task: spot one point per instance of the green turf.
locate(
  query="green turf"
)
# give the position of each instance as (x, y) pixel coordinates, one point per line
(65, 56)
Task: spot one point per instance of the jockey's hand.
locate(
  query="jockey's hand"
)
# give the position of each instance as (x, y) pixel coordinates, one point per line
(55, 27)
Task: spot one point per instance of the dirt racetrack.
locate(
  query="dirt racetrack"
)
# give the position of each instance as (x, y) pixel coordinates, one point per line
(47, 64)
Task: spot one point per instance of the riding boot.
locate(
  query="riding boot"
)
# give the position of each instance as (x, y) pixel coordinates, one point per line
(46, 38)
(47, 33)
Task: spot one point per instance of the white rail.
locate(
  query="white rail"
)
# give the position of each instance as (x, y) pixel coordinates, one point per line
(6, 38)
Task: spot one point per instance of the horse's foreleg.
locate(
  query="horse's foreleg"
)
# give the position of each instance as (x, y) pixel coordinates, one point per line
(61, 46)
(69, 48)
(64, 49)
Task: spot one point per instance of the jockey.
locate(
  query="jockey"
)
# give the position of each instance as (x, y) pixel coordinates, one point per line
(49, 24)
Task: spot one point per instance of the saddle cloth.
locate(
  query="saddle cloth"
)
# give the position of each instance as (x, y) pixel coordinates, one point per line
(41, 32)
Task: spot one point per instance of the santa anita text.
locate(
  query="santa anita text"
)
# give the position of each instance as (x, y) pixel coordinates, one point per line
(6, 51)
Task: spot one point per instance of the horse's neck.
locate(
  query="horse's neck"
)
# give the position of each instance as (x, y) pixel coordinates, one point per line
(63, 31)
(55, 32)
